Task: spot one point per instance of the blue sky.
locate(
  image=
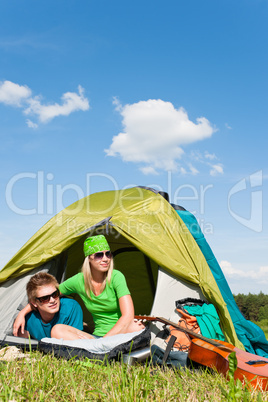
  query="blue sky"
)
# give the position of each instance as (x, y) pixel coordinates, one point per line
(103, 95)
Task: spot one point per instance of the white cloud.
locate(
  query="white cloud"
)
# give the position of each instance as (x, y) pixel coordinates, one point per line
(13, 94)
(210, 156)
(148, 170)
(31, 124)
(227, 126)
(118, 106)
(216, 170)
(193, 170)
(197, 156)
(21, 96)
(154, 133)
(71, 102)
(261, 274)
(206, 159)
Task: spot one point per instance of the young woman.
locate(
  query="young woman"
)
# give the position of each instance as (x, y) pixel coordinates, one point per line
(104, 292)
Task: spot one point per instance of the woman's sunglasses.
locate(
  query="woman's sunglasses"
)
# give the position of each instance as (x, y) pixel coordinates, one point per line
(45, 299)
(101, 254)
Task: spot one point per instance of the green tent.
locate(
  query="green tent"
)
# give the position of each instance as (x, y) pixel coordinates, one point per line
(145, 234)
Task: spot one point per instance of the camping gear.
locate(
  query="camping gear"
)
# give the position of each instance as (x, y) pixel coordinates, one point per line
(112, 347)
(164, 352)
(151, 245)
(171, 345)
(214, 354)
(206, 316)
(182, 339)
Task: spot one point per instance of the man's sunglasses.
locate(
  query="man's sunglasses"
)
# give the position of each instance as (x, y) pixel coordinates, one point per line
(101, 254)
(45, 299)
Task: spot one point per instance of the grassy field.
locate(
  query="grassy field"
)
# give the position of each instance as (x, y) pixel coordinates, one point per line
(38, 377)
(45, 378)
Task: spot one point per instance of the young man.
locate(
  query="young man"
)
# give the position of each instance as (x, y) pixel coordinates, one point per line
(47, 308)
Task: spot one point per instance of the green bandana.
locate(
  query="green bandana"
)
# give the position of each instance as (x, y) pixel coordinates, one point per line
(95, 244)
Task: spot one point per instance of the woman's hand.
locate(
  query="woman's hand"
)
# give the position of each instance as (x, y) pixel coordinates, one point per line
(135, 326)
(126, 323)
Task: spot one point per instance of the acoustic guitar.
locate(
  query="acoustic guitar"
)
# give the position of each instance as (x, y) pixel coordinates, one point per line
(214, 354)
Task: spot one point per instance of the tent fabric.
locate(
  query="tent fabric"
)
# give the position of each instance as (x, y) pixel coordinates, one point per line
(164, 302)
(141, 217)
(252, 337)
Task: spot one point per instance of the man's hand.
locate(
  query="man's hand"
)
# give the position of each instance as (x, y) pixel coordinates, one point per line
(19, 324)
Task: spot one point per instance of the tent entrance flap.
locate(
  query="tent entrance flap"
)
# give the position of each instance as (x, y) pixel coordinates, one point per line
(141, 274)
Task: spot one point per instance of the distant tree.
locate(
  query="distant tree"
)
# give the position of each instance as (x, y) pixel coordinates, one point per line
(252, 306)
(263, 313)
(241, 302)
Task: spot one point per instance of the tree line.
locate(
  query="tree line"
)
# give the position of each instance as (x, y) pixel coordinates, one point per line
(253, 307)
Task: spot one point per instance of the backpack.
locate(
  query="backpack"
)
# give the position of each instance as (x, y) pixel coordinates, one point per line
(171, 346)
(164, 352)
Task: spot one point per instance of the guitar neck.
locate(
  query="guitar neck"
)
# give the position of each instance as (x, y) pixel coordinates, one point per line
(182, 329)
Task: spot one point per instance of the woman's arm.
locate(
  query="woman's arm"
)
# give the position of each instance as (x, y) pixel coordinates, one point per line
(126, 322)
(19, 323)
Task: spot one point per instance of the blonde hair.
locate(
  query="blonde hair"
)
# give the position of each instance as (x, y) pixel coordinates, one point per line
(86, 270)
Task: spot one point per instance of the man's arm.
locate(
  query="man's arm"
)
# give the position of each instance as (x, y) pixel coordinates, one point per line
(19, 323)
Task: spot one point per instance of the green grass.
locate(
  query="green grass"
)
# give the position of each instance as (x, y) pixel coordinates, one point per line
(45, 378)
(263, 324)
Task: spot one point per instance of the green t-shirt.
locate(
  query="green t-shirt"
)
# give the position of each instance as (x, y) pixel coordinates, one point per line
(104, 308)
